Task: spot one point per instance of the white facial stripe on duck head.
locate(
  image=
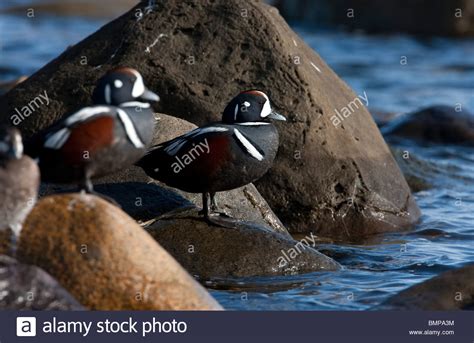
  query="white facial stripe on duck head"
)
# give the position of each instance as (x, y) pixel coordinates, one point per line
(266, 109)
(236, 111)
(18, 146)
(138, 86)
(107, 94)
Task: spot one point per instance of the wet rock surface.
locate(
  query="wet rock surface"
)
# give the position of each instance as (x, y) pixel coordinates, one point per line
(104, 259)
(334, 180)
(25, 287)
(435, 124)
(451, 290)
(232, 248)
(422, 17)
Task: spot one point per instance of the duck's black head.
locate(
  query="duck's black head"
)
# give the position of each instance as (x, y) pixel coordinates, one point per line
(250, 106)
(11, 144)
(121, 86)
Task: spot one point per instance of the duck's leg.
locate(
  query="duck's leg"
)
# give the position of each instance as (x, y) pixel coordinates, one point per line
(86, 186)
(210, 213)
(215, 207)
(205, 206)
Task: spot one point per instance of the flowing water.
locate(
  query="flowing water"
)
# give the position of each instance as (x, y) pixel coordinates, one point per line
(434, 71)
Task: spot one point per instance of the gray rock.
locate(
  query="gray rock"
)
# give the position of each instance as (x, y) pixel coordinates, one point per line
(25, 287)
(233, 248)
(451, 290)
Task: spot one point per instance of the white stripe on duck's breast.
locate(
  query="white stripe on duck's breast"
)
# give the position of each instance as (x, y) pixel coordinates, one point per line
(251, 149)
(130, 129)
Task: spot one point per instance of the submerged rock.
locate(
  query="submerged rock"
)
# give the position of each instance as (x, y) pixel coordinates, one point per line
(422, 17)
(420, 174)
(437, 124)
(451, 290)
(332, 176)
(381, 117)
(24, 287)
(105, 259)
(235, 249)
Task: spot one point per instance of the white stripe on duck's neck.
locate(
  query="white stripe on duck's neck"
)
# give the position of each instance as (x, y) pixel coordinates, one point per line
(135, 104)
(253, 123)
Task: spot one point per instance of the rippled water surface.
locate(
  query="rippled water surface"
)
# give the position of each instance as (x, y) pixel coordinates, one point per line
(438, 71)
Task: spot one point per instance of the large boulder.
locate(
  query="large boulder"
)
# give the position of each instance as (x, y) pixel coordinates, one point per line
(234, 248)
(451, 290)
(145, 199)
(422, 17)
(24, 287)
(334, 174)
(104, 259)
(434, 124)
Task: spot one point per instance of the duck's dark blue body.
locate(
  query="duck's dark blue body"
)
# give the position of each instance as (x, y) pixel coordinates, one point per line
(100, 139)
(214, 158)
(96, 146)
(220, 156)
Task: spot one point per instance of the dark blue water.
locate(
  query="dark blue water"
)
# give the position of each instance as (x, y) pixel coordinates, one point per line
(438, 71)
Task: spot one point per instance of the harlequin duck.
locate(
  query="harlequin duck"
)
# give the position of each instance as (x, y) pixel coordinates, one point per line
(19, 182)
(222, 156)
(98, 140)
